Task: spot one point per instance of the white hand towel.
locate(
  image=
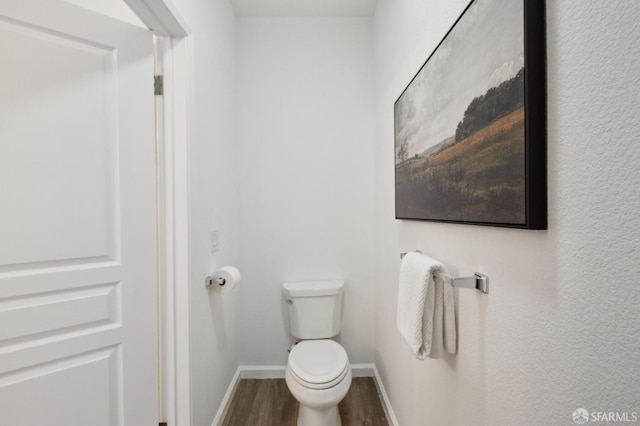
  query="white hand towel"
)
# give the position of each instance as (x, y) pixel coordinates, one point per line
(425, 306)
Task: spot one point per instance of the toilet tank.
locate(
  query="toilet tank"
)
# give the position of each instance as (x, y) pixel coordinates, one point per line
(315, 308)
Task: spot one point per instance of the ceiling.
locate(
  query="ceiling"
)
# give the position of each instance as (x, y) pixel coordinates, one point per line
(304, 7)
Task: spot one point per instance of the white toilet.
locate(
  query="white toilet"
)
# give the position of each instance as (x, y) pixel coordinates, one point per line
(318, 372)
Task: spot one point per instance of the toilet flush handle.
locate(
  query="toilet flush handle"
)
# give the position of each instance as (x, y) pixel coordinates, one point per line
(289, 301)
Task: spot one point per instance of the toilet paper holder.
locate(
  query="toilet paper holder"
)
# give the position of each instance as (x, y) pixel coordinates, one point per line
(225, 278)
(211, 280)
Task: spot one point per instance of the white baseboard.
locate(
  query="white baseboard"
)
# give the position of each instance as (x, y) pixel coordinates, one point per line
(386, 404)
(262, 371)
(362, 370)
(224, 405)
(277, 372)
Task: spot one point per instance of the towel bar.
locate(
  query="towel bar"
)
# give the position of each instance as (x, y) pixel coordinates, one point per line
(478, 281)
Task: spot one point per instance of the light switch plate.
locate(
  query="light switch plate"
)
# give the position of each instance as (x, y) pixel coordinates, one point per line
(214, 240)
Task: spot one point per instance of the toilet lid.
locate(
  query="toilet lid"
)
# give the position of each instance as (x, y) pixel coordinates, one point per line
(318, 363)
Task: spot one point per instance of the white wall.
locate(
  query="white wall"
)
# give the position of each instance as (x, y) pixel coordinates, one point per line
(559, 329)
(213, 200)
(304, 90)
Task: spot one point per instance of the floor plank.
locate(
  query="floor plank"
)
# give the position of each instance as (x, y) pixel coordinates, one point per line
(261, 402)
(362, 406)
(268, 402)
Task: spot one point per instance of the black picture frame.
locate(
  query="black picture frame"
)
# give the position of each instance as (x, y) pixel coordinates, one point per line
(492, 171)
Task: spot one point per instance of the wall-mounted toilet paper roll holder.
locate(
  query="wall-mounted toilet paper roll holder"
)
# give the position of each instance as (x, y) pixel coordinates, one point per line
(211, 280)
(224, 278)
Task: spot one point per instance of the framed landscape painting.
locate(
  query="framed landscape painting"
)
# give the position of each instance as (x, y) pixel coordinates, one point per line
(470, 128)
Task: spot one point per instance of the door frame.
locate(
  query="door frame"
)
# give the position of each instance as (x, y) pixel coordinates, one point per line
(172, 49)
(173, 236)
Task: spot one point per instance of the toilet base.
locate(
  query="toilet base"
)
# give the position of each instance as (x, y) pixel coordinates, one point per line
(309, 416)
(318, 407)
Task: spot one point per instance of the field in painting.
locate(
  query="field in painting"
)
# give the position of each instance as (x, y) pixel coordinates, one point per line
(480, 178)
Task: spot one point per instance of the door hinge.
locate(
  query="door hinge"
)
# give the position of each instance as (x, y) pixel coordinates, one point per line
(158, 85)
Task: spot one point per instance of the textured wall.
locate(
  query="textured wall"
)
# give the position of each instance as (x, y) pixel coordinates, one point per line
(560, 328)
(304, 92)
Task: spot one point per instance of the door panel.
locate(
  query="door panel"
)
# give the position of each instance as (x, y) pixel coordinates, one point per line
(86, 377)
(58, 123)
(78, 341)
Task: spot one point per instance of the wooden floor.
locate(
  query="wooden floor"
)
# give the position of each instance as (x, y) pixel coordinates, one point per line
(268, 402)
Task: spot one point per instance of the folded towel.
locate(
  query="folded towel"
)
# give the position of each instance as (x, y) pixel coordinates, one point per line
(425, 306)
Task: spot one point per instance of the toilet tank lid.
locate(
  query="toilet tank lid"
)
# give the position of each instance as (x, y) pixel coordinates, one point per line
(313, 288)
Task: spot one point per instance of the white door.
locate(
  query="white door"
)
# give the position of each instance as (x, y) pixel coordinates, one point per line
(78, 341)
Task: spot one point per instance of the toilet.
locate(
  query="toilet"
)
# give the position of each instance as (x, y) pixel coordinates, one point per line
(318, 373)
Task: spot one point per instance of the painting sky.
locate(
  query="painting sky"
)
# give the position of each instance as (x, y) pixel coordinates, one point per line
(484, 49)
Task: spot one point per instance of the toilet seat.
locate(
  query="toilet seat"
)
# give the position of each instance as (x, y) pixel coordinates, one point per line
(318, 364)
